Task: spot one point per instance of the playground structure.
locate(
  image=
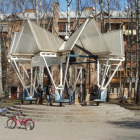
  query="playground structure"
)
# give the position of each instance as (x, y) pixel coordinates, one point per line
(35, 47)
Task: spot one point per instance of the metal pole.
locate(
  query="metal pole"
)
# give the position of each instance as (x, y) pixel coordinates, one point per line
(61, 71)
(31, 91)
(89, 75)
(98, 72)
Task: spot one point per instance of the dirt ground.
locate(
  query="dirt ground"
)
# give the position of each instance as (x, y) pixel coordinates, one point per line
(125, 129)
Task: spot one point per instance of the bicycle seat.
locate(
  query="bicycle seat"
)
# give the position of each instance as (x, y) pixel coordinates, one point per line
(24, 115)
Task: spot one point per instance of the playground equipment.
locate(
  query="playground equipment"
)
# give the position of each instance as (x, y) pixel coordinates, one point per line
(36, 47)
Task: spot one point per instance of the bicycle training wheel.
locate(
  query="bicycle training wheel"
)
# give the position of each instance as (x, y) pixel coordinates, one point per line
(29, 124)
(11, 123)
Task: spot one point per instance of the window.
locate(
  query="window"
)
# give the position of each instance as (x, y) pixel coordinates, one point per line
(71, 25)
(112, 89)
(117, 26)
(119, 90)
(64, 26)
(112, 27)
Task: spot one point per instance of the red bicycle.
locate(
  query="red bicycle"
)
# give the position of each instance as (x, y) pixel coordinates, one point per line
(12, 122)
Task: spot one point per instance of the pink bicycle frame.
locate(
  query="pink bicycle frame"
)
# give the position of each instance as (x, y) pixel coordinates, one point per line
(20, 121)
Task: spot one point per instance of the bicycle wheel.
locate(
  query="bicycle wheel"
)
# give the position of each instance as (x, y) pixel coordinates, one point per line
(29, 124)
(11, 123)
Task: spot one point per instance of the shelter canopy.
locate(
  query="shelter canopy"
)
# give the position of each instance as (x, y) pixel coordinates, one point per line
(89, 37)
(115, 42)
(32, 39)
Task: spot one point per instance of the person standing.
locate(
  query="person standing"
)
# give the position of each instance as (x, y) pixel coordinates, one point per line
(49, 93)
(39, 94)
(70, 93)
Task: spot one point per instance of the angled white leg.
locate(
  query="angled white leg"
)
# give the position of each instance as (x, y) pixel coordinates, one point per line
(61, 71)
(98, 72)
(66, 71)
(113, 74)
(20, 77)
(25, 71)
(49, 71)
(35, 76)
(77, 79)
(103, 79)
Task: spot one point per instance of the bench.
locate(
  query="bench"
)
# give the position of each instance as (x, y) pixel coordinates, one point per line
(102, 97)
(29, 98)
(61, 100)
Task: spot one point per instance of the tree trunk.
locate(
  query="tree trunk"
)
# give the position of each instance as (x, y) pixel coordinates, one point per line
(137, 56)
(109, 71)
(131, 55)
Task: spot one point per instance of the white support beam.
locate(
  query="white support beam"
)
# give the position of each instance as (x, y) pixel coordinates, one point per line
(77, 79)
(31, 89)
(103, 78)
(19, 76)
(61, 72)
(113, 74)
(98, 72)
(107, 69)
(19, 72)
(66, 70)
(49, 71)
(35, 76)
(25, 71)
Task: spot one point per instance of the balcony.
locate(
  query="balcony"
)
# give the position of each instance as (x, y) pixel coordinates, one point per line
(128, 32)
(64, 33)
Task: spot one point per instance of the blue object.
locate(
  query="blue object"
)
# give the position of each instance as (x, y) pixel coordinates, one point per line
(35, 94)
(58, 99)
(102, 96)
(26, 96)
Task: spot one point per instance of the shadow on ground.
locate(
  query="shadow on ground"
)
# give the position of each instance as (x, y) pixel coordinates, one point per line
(133, 124)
